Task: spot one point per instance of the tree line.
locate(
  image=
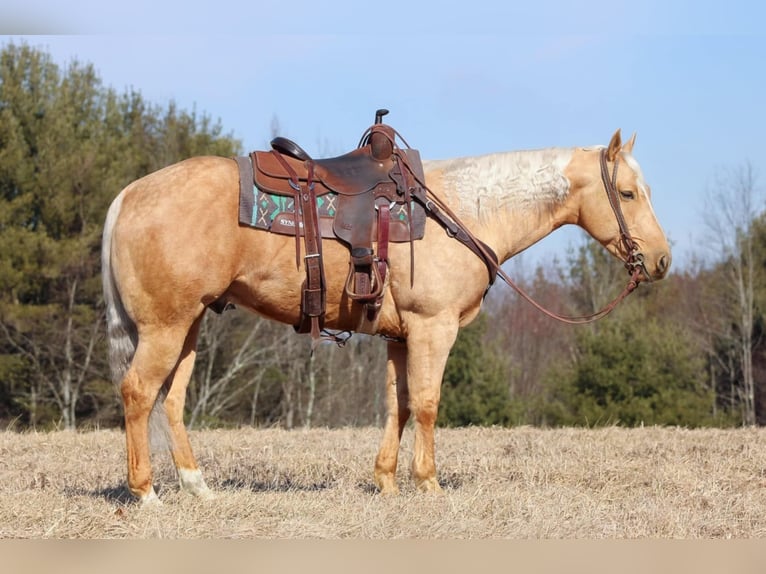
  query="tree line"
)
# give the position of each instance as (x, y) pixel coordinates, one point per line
(686, 351)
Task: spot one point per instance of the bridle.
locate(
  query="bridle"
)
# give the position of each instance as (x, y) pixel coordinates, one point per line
(634, 258)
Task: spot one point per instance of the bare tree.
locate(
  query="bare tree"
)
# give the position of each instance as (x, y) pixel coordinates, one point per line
(235, 350)
(730, 213)
(530, 340)
(64, 362)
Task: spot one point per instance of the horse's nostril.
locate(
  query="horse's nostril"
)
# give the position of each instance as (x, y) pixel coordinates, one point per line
(663, 264)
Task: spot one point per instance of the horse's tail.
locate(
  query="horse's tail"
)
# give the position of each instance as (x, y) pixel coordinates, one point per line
(122, 335)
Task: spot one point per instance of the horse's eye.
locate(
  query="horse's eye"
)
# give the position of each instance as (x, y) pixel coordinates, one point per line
(627, 194)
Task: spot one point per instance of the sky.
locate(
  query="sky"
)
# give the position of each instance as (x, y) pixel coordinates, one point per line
(460, 79)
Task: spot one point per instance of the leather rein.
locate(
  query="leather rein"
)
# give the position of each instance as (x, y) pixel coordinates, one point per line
(634, 261)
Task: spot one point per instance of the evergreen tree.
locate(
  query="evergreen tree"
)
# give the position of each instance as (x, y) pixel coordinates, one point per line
(474, 388)
(632, 369)
(67, 146)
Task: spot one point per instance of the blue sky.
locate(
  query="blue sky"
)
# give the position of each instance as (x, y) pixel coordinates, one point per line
(459, 79)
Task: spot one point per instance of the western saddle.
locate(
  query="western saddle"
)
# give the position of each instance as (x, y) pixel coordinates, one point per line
(368, 183)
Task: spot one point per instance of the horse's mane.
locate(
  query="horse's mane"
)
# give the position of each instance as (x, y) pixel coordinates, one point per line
(518, 180)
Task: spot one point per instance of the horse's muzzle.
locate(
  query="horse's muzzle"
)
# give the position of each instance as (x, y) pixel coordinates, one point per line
(652, 268)
(656, 267)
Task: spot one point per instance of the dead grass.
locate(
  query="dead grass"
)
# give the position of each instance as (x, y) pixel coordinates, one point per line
(516, 483)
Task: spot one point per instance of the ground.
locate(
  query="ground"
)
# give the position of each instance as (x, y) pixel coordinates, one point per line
(517, 483)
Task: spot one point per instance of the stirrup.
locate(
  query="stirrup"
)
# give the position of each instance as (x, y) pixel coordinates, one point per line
(377, 283)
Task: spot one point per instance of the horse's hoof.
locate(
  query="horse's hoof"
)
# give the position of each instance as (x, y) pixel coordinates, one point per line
(429, 485)
(205, 494)
(192, 482)
(150, 500)
(387, 485)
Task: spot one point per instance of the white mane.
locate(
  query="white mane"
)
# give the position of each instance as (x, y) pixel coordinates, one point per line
(518, 180)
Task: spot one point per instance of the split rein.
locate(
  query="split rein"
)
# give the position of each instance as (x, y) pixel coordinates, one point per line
(634, 262)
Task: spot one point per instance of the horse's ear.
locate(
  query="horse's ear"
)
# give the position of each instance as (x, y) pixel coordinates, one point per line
(628, 146)
(614, 146)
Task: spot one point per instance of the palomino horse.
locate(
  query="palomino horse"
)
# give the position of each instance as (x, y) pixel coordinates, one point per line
(172, 245)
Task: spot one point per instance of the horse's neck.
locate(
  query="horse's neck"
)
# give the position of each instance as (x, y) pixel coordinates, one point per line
(509, 200)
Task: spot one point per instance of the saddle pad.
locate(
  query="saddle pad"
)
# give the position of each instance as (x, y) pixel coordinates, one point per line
(276, 213)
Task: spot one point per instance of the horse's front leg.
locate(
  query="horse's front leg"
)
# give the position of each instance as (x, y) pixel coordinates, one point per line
(398, 413)
(428, 347)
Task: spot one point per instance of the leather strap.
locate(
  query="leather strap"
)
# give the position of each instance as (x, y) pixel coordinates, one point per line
(406, 182)
(384, 222)
(634, 258)
(381, 261)
(295, 183)
(313, 290)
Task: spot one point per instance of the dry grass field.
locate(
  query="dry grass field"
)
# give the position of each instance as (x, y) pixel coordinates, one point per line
(519, 483)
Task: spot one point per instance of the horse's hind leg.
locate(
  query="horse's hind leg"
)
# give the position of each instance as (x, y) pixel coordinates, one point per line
(398, 413)
(189, 475)
(156, 356)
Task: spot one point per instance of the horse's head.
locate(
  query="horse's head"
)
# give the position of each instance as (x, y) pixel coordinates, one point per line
(615, 207)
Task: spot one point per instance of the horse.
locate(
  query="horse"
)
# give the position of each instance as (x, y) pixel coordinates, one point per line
(160, 275)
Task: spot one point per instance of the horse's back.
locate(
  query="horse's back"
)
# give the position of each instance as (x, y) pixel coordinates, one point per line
(186, 182)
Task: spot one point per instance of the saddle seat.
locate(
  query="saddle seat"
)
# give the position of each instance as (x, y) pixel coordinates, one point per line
(353, 173)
